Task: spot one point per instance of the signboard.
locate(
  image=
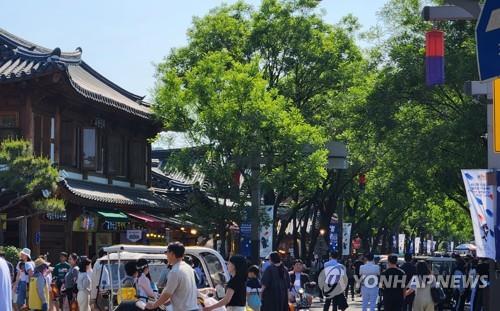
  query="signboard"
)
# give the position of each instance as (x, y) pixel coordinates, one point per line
(488, 40)
(334, 237)
(134, 235)
(417, 245)
(401, 243)
(266, 232)
(246, 239)
(37, 238)
(346, 237)
(481, 205)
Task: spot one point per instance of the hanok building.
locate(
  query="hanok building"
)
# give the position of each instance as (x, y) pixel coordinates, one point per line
(97, 134)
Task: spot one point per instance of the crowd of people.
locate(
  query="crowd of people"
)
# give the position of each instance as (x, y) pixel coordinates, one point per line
(275, 285)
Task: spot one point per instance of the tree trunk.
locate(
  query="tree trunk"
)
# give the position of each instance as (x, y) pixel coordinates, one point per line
(254, 214)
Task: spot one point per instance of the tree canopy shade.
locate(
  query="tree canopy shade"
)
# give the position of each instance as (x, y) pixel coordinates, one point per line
(264, 88)
(26, 177)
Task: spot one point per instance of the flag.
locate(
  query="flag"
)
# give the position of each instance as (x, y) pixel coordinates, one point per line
(401, 243)
(481, 206)
(266, 231)
(346, 233)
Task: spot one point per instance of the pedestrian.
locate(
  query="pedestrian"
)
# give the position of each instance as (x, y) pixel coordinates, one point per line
(84, 283)
(351, 281)
(25, 269)
(70, 288)
(275, 284)
(409, 268)
(181, 286)
(369, 273)
(421, 285)
(235, 298)
(394, 285)
(253, 289)
(316, 267)
(39, 287)
(60, 270)
(5, 286)
(333, 282)
(459, 274)
(145, 290)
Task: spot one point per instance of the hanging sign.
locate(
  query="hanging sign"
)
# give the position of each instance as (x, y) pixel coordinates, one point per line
(134, 235)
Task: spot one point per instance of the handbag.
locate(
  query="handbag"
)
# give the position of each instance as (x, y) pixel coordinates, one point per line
(254, 301)
(438, 295)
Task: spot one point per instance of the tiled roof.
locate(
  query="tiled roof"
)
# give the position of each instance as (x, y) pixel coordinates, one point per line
(100, 195)
(23, 60)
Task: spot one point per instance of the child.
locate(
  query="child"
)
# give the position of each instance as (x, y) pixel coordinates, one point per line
(253, 289)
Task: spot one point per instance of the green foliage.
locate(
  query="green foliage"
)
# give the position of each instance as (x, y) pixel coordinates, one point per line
(11, 254)
(24, 176)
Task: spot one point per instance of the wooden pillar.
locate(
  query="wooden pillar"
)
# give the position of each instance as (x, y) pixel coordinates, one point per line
(28, 129)
(23, 232)
(34, 230)
(57, 144)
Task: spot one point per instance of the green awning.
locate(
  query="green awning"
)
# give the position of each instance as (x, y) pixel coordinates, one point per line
(114, 216)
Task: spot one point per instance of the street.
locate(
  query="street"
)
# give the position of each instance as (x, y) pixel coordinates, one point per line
(353, 305)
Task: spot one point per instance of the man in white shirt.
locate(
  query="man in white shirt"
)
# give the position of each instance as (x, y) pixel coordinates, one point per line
(369, 273)
(181, 285)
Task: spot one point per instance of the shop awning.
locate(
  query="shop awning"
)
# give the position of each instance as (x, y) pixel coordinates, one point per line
(148, 219)
(113, 216)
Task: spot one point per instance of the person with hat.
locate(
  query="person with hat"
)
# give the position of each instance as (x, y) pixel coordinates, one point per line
(39, 287)
(59, 272)
(5, 286)
(23, 276)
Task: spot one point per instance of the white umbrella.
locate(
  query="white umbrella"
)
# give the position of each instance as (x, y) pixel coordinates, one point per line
(466, 247)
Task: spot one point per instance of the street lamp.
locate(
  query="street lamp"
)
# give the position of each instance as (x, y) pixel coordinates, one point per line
(337, 160)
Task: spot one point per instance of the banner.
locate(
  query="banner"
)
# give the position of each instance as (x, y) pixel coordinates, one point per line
(452, 246)
(417, 245)
(266, 231)
(246, 239)
(481, 205)
(334, 236)
(401, 243)
(434, 246)
(428, 248)
(497, 211)
(346, 237)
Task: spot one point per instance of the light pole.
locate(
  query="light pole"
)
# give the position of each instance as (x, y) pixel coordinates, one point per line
(337, 160)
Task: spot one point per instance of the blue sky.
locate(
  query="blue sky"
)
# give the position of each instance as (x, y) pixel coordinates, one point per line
(124, 39)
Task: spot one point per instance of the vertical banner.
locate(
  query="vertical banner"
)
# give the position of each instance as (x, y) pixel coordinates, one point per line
(266, 231)
(334, 236)
(428, 248)
(401, 243)
(481, 205)
(411, 249)
(452, 246)
(417, 245)
(434, 246)
(246, 239)
(497, 210)
(346, 232)
(394, 244)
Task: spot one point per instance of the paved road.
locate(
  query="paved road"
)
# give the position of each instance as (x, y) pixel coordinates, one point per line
(353, 305)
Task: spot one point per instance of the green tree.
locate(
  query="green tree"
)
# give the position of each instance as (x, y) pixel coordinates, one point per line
(25, 177)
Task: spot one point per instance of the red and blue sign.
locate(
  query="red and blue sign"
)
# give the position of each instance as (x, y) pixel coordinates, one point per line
(434, 58)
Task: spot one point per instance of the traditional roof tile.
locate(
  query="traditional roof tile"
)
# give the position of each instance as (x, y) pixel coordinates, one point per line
(89, 194)
(23, 60)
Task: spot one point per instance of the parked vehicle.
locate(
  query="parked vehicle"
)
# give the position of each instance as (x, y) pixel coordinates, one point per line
(109, 270)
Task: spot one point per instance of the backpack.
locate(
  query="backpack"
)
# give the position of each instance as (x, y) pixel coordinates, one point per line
(34, 301)
(333, 280)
